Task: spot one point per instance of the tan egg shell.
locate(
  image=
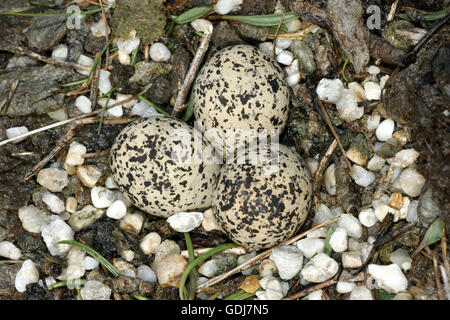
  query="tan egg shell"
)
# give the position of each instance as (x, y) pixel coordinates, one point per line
(240, 87)
(142, 165)
(258, 210)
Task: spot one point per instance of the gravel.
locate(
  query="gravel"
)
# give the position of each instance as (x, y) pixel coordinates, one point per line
(288, 260)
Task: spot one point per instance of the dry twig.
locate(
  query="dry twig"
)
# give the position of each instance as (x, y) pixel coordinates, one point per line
(6, 102)
(311, 289)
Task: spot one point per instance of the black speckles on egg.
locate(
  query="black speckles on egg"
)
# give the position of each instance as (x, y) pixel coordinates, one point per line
(261, 210)
(142, 166)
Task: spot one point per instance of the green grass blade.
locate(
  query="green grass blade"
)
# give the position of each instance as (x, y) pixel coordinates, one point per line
(266, 20)
(326, 247)
(159, 109)
(97, 256)
(191, 14)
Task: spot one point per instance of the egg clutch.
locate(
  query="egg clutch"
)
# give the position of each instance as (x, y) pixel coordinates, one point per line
(240, 90)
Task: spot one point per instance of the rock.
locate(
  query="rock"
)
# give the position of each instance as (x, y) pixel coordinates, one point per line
(15, 132)
(267, 268)
(401, 258)
(159, 52)
(145, 273)
(90, 263)
(385, 129)
(329, 90)
(427, 209)
(388, 277)
(86, 62)
(250, 284)
(361, 176)
(244, 258)
(339, 240)
(373, 70)
(315, 295)
(58, 115)
(71, 204)
(53, 179)
(45, 32)
(132, 222)
(225, 6)
(359, 150)
(117, 210)
(102, 197)
(85, 217)
(376, 163)
(269, 295)
(367, 217)
(53, 202)
(288, 260)
(128, 45)
(273, 289)
(358, 90)
(267, 48)
(412, 215)
(185, 221)
(373, 122)
(9, 250)
(382, 210)
(142, 109)
(83, 104)
(165, 248)
(150, 242)
(405, 158)
(372, 90)
(320, 268)
(347, 106)
(125, 268)
(411, 182)
(27, 274)
(53, 231)
(304, 55)
(75, 265)
(110, 183)
(209, 222)
(60, 52)
(351, 260)
(75, 155)
(170, 270)
(360, 292)
(403, 296)
(396, 201)
(329, 179)
(95, 290)
(145, 72)
(285, 57)
(32, 218)
(104, 84)
(311, 246)
(88, 175)
(127, 255)
(345, 286)
(209, 269)
(351, 225)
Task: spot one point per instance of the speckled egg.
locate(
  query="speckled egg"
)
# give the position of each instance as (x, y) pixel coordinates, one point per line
(259, 207)
(153, 162)
(240, 87)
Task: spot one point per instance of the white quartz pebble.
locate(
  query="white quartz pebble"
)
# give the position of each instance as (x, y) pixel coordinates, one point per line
(412, 211)
(293, 79)
(226, 6)
(90, 263)
(344, 286)
(358, 90)
(351, 259)
(88, 175)
(293, 68)
(351, 225)
(55, 230)
(347, 106)
(27, 274)
(60, 52)
(15, 132)
(283, 43)
(185, 221)
(385, 129)
(53, 179)
(86, 62)
(376, 163)
(202, 25)
(75, 265)
(411, 182)
(53, 202)
(100, 29)
(209, 221)
(104, 84)
(388, 277)
(372, 90)
(132, 222)
(382, 210)
(373, 122)
(159, 52)
(311, 246)
(75, 155)
(32, 218)
(101, 197)
(117, 210)
(373, 70)
(9, 250)
(315, 295)
(361, 292)
(83, 104)
(339, 240)
(244, 258)
(320, 268)
(209, 268)
(267, 48)
(288, 260)
(95, 290)
(144, 110)
(170, 270)
(285, 57)
(367, 217)
(405, 158)
(361, 176)
(128, 45)
(150, 242)
(401, 258)
(110, 183)
(329, 90)
(329, 179)
(146, 273)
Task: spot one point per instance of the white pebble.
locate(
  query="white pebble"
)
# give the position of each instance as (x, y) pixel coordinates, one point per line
(102, 197)
(388, 277)
(405, 158)
(146, 273)
(269, 295)
(244, 258)
(9, 250)
(351, 225)
(86, 62)
(75, 155)
(293, 79)
(347, 106)
(376, 163)
(361, 293)
(283, 43)
(58, 115)
(320, 268)
(412, 211)
(32, 218)
(115, 112)
(185, 221)
(313, 165)
(209, 221)
(267, 268)
(293, 25)
(159, 52)
(142, 109)
(127, 255)
(53, 179)
(361, 176)
(293, 68)
(329, 179)
(15, 132)
(382, 210)
(288, 260)
(127, 46)
(383, 81)
(411, 182)
(110, 183)
(55, 230)
(311, 246)
(358, 90)
(202, 25)
(83, 104)
(53, 202)
(132, 222)
(150, 242)
(339, 240)
(372, 90)
(351, 260)
(90, 263)
(122, 97)
(100, 29)
(208, 269)
(329, 90)
(170, 269)
(385, 129)
(27, 274)
(401, 258)
(315, 295)
(373, 122)
(285, 57)
(88, 175)
(75, 265)
(95, 290)
(373, 70)
(344, 286)
(226, 6)
(117, 210)
(104, 84)
(367, 217)
(267, 48)
(60, 52)
(49, 281)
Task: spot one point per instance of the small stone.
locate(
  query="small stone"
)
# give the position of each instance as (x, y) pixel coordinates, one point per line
(122, 97)
(358, 90)
(132, 222)
(60, 52)
(26, 275)
(53, 202)
(403, 296)
(115, 112)
(405, 158)
(313, 165)
(104, 84)
(85, 217)
(401, 258)
(288, 260)
(292, 68)
(165, 248)
(412, 215)
(347, 106)
(102, 197)
(396, 201)
(53, 179)
(329, 90)
(226, 6)
(315, 295)
(351, 260)
(49, 281)
(411, 182)
(170, 270)
(267, 268)
(127, 46)
(311, 246)
(209, 269)
(58, 115)
(85, 61)
(351, 225)
(367, 217)
(150, 242)
(32, 218)
(345, 286)
(75, 265)
(71, 204)
(90, 263)
(267, 48)
(283, 43)
(285, 57)
(146, 273)
(95, 290)
(383, 81)
(401, 136)
(271, 283)
(361, 293)
(142, 109)
(373, 122)
(202, 25)
(382, 210)
(373, 70)
(244, 258)
(127, 255)
(269, 295)
(372, 90)
(55, 230)
(376, 163)
(361, 176)
(117, 210)
(75, 155)
(185, 221)
(15, 132)
(83, 104)
(293, 25)
(339, 240)
(359, 150)
(9, 250)
(388, 277)
(110, 183)
(293, 79)
(428, 210)
(159, 52)
(385, 129)
(329, 179)
(88, 175)
(100, 29)
(124, 267)
(250, 284)
(320, 268)
(209, 222)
